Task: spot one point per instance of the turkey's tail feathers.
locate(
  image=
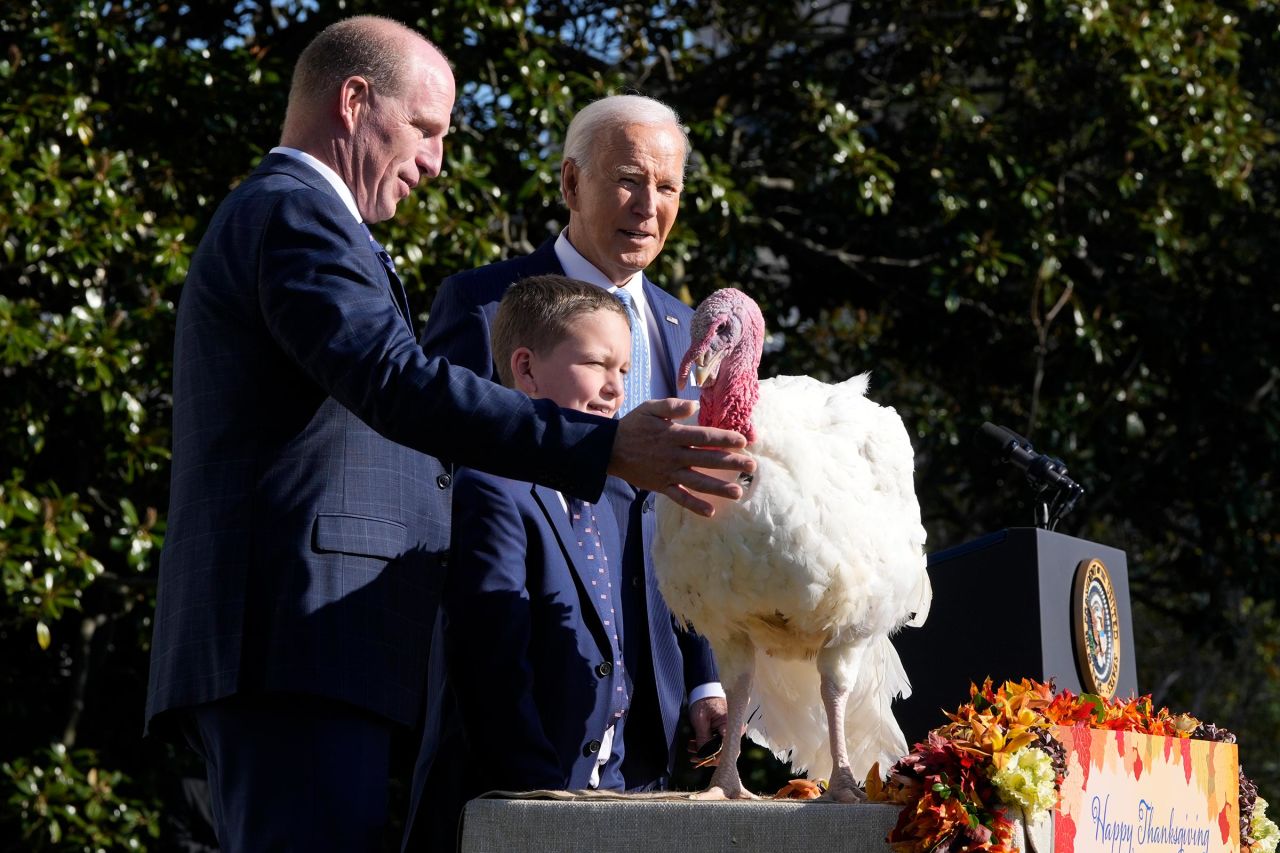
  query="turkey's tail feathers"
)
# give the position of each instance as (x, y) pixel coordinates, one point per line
(871, 732)
(921, 600)
(792, 723)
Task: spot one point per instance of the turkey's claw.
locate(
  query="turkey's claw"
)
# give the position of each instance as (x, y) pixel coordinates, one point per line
(716, 792)
(843, 789)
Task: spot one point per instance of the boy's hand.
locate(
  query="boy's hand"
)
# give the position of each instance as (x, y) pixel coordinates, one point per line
(653, 452)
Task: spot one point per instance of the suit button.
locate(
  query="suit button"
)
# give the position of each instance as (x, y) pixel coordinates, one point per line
(635, 582)
(444, 481)
(591, 748)
(604, 669)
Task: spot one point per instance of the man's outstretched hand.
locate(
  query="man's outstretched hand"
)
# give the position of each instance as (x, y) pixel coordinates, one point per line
(652, 451)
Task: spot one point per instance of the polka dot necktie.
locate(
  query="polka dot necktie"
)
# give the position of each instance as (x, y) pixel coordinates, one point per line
(600, 578)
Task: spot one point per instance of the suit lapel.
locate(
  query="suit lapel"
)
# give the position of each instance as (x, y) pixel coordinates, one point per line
(398, 295)
(558, 519)
(674, 332)
(309, 176)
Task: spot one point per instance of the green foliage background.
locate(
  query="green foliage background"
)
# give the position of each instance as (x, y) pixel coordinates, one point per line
(1058, 216)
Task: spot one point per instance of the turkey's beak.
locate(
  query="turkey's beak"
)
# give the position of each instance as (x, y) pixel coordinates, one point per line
(706, 367)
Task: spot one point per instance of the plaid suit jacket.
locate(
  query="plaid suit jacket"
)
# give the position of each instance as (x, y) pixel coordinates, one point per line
(307, 527)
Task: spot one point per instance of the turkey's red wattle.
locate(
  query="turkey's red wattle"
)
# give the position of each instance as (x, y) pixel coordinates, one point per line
(728, 402)
(727, 327)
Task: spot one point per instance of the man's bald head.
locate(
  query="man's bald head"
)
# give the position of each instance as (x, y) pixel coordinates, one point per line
(378, 49)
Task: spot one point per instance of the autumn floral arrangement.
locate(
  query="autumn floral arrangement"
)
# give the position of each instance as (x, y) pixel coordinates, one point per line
(997, 758)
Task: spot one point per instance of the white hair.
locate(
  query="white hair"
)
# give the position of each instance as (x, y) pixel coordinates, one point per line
(617, 111)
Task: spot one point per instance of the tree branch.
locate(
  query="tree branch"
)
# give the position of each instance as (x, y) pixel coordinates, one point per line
(850, 259)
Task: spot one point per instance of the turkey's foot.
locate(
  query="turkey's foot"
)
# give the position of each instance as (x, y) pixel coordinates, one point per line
(843, 789)
(717, 792)
(726, 784)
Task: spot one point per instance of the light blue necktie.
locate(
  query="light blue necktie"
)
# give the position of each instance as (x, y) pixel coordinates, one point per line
(636, 383)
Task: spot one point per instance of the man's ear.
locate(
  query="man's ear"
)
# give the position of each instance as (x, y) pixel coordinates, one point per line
(522, 371)
(569, 178)
(353, 101)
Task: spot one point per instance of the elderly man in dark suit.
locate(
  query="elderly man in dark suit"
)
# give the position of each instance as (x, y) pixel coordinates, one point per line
(621, 179)
(306, 533)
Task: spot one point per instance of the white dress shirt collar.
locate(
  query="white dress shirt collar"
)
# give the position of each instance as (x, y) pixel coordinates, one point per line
(339, 186)
(576, 266)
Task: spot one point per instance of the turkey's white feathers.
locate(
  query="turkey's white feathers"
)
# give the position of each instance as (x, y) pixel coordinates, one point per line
(824, 551)
(791, 721)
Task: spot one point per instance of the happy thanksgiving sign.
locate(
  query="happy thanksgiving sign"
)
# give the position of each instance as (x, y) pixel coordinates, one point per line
(1135, 793)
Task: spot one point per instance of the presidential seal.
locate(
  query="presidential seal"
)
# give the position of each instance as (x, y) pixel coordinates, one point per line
(1097, 628)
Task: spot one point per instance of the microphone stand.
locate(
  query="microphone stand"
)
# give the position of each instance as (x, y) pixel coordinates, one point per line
(1049, 511)
(1056, 493)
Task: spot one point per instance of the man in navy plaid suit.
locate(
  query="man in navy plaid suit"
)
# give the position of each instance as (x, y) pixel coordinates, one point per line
(295, 605)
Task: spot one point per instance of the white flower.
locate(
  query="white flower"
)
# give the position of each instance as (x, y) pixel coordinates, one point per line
(1264, 830)
(1026, 780)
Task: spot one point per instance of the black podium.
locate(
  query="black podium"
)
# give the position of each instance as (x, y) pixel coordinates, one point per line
(1009, 606)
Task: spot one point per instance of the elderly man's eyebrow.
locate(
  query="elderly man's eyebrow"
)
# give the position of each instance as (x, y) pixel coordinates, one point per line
(629, 171)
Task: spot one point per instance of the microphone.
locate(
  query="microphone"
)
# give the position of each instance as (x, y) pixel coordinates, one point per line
(1042, 470)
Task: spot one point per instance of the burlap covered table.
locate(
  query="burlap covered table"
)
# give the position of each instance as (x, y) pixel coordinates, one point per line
(550, 822)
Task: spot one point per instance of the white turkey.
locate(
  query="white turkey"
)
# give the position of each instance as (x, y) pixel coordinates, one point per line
(799, 585)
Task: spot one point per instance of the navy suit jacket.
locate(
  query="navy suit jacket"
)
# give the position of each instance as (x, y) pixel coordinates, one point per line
(526, 701)
(531, 658)
(307, 527)
(664, 659)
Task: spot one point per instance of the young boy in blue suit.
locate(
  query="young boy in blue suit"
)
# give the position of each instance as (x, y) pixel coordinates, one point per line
(532, 605)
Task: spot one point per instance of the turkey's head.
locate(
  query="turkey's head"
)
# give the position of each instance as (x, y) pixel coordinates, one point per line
(724, 358)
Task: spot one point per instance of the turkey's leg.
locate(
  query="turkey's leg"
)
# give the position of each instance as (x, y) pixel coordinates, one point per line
(835, 696)
(737, 668)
